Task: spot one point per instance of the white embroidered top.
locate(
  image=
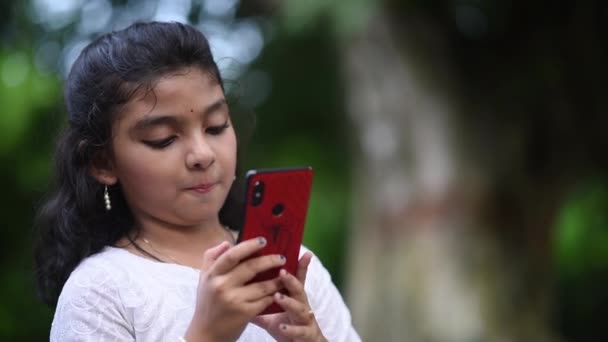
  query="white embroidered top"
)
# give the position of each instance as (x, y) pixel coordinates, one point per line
(118, 296)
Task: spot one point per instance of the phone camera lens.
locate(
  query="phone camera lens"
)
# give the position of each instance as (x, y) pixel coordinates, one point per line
(258, 193)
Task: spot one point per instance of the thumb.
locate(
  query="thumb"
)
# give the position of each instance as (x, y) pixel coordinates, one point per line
(303, 264)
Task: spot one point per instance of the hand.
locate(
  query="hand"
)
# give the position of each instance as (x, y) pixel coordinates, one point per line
(298, 322)
(224, 303)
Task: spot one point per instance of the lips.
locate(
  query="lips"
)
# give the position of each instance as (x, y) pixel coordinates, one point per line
(203, 188)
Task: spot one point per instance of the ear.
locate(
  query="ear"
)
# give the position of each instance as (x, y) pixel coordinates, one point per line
(102, 168)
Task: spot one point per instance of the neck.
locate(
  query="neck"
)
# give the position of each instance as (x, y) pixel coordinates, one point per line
(184, 245)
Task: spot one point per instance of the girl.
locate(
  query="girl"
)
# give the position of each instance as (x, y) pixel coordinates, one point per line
(135, 243)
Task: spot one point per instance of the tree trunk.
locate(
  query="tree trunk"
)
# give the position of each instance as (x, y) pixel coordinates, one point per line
(424, 265)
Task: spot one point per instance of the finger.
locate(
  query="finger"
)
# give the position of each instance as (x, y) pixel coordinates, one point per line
(211, 254)
(264, 322)
(256, 307)
(303, 267)
(296, 331)
(235, 254)
(255, 291)
(293, 286)
(298, 312)
(246, 270)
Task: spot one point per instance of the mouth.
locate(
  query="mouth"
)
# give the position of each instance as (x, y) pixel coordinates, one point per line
(203, 188)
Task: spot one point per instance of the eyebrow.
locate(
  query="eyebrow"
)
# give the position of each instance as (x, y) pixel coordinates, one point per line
(158, 120)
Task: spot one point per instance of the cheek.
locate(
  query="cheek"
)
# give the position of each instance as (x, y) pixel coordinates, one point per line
(228, 151)
(139, 169)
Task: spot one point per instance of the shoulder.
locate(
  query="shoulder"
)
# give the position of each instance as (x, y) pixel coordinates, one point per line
(118, 277)
(98, 274)
(89, 303)
(96, 282)
(122, 296)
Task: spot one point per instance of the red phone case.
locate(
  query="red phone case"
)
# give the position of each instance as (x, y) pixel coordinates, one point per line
(278, 213)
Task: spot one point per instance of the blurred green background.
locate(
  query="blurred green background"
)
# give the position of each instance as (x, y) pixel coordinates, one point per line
(526, 82)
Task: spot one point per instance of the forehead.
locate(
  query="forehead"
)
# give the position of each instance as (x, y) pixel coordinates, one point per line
(172, 84)
(187, 89)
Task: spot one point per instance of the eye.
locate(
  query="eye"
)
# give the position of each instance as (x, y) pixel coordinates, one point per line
(161, 143)
(217, 130)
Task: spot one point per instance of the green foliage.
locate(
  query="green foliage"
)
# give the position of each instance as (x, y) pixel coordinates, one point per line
(346, 16)
(581, 238)
(581, 257)
(27, 124)
(23, 91)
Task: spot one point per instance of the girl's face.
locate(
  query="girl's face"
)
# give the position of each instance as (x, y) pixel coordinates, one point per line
(174, 151)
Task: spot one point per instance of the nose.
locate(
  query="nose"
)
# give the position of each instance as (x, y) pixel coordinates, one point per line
(200, 154)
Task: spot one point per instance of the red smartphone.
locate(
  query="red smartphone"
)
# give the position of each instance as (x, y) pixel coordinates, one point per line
(275, 208)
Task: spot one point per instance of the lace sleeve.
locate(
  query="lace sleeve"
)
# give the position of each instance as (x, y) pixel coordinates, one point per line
(89, 309)
(330, 310)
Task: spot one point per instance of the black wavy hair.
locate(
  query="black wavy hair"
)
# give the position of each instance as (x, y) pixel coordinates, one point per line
(73, 223)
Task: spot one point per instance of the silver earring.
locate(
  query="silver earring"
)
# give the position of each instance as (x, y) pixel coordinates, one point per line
(106, 197)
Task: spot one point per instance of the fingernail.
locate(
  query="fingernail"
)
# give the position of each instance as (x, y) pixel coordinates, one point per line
(282, 257)
(282, 272)
(261, 241)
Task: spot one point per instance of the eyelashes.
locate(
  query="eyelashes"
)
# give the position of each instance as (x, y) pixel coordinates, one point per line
(217, 130)
(160, 144)
(163, 143)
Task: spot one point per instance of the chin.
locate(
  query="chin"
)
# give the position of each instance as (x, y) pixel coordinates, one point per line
(200, 216)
